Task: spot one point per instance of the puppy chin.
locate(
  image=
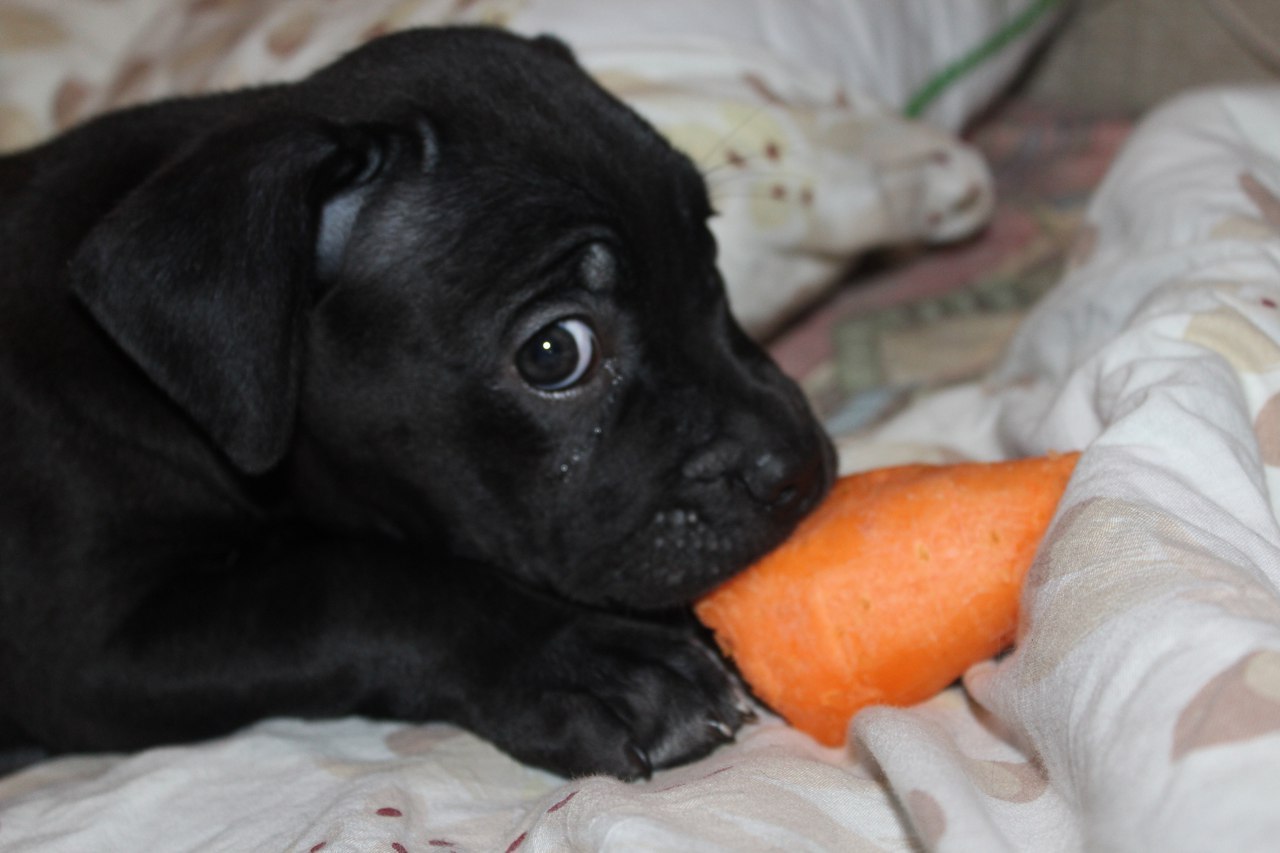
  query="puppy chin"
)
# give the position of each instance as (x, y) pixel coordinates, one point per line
(670, 562)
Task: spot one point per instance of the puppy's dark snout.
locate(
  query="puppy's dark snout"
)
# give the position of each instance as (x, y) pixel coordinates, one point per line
(786, 484)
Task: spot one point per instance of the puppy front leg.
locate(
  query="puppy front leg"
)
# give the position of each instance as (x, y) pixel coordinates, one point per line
(323, 628)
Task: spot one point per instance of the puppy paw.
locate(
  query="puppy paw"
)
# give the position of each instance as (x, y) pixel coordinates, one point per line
(620, 696)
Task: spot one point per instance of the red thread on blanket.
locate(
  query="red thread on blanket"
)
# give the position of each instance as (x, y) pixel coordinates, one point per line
(319, 846)
(515, 845)
(562, 803)
(398, 847)
(387, 811)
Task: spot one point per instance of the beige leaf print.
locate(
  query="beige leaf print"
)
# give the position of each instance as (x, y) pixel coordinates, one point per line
(1099, 555)
(398, 17)
(131, 82)
(1265, 200)
(630, 85)
(1237, 227)
(1108, 556)
(1239, 704)
(1266, 426)
(18, 128)
(1225, 331)
(1225, 586)
(198, 58)
(28, 29)
(1013, 782)
(1262, 674)
(419, 740)
(927, 815)
(288, 37)
(69, 100)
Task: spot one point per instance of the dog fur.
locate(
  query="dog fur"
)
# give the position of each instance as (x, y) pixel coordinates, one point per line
(290, 424)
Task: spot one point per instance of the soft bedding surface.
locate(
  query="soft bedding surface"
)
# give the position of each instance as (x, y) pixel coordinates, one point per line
(1140, 709)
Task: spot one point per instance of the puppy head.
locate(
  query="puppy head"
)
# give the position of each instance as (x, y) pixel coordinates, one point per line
(484, 295)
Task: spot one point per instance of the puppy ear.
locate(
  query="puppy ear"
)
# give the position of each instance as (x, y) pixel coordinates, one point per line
(201, 274)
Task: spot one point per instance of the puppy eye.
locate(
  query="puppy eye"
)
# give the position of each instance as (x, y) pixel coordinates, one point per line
(557, 356)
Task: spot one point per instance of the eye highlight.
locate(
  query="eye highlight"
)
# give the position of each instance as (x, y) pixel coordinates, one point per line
(558, 355)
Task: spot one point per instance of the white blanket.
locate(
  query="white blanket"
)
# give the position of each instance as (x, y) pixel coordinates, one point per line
(1142, 705)
(1140, 710)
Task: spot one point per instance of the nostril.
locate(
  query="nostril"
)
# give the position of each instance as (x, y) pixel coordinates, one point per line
(770, 480)
(783, 485)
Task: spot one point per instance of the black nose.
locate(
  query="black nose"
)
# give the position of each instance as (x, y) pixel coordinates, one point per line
(791, 484)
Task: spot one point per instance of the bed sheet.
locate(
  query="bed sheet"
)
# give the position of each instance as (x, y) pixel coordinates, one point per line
(1139, 710)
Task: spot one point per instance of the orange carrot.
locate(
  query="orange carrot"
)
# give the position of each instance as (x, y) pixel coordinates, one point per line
(897, 583)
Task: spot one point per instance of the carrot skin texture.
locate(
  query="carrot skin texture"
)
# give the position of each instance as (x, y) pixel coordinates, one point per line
(902, 579)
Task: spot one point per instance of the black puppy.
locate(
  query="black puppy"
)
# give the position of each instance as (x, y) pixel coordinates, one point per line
(407, 390)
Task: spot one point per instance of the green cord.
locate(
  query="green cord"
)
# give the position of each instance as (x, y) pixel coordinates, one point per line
(962, 66)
